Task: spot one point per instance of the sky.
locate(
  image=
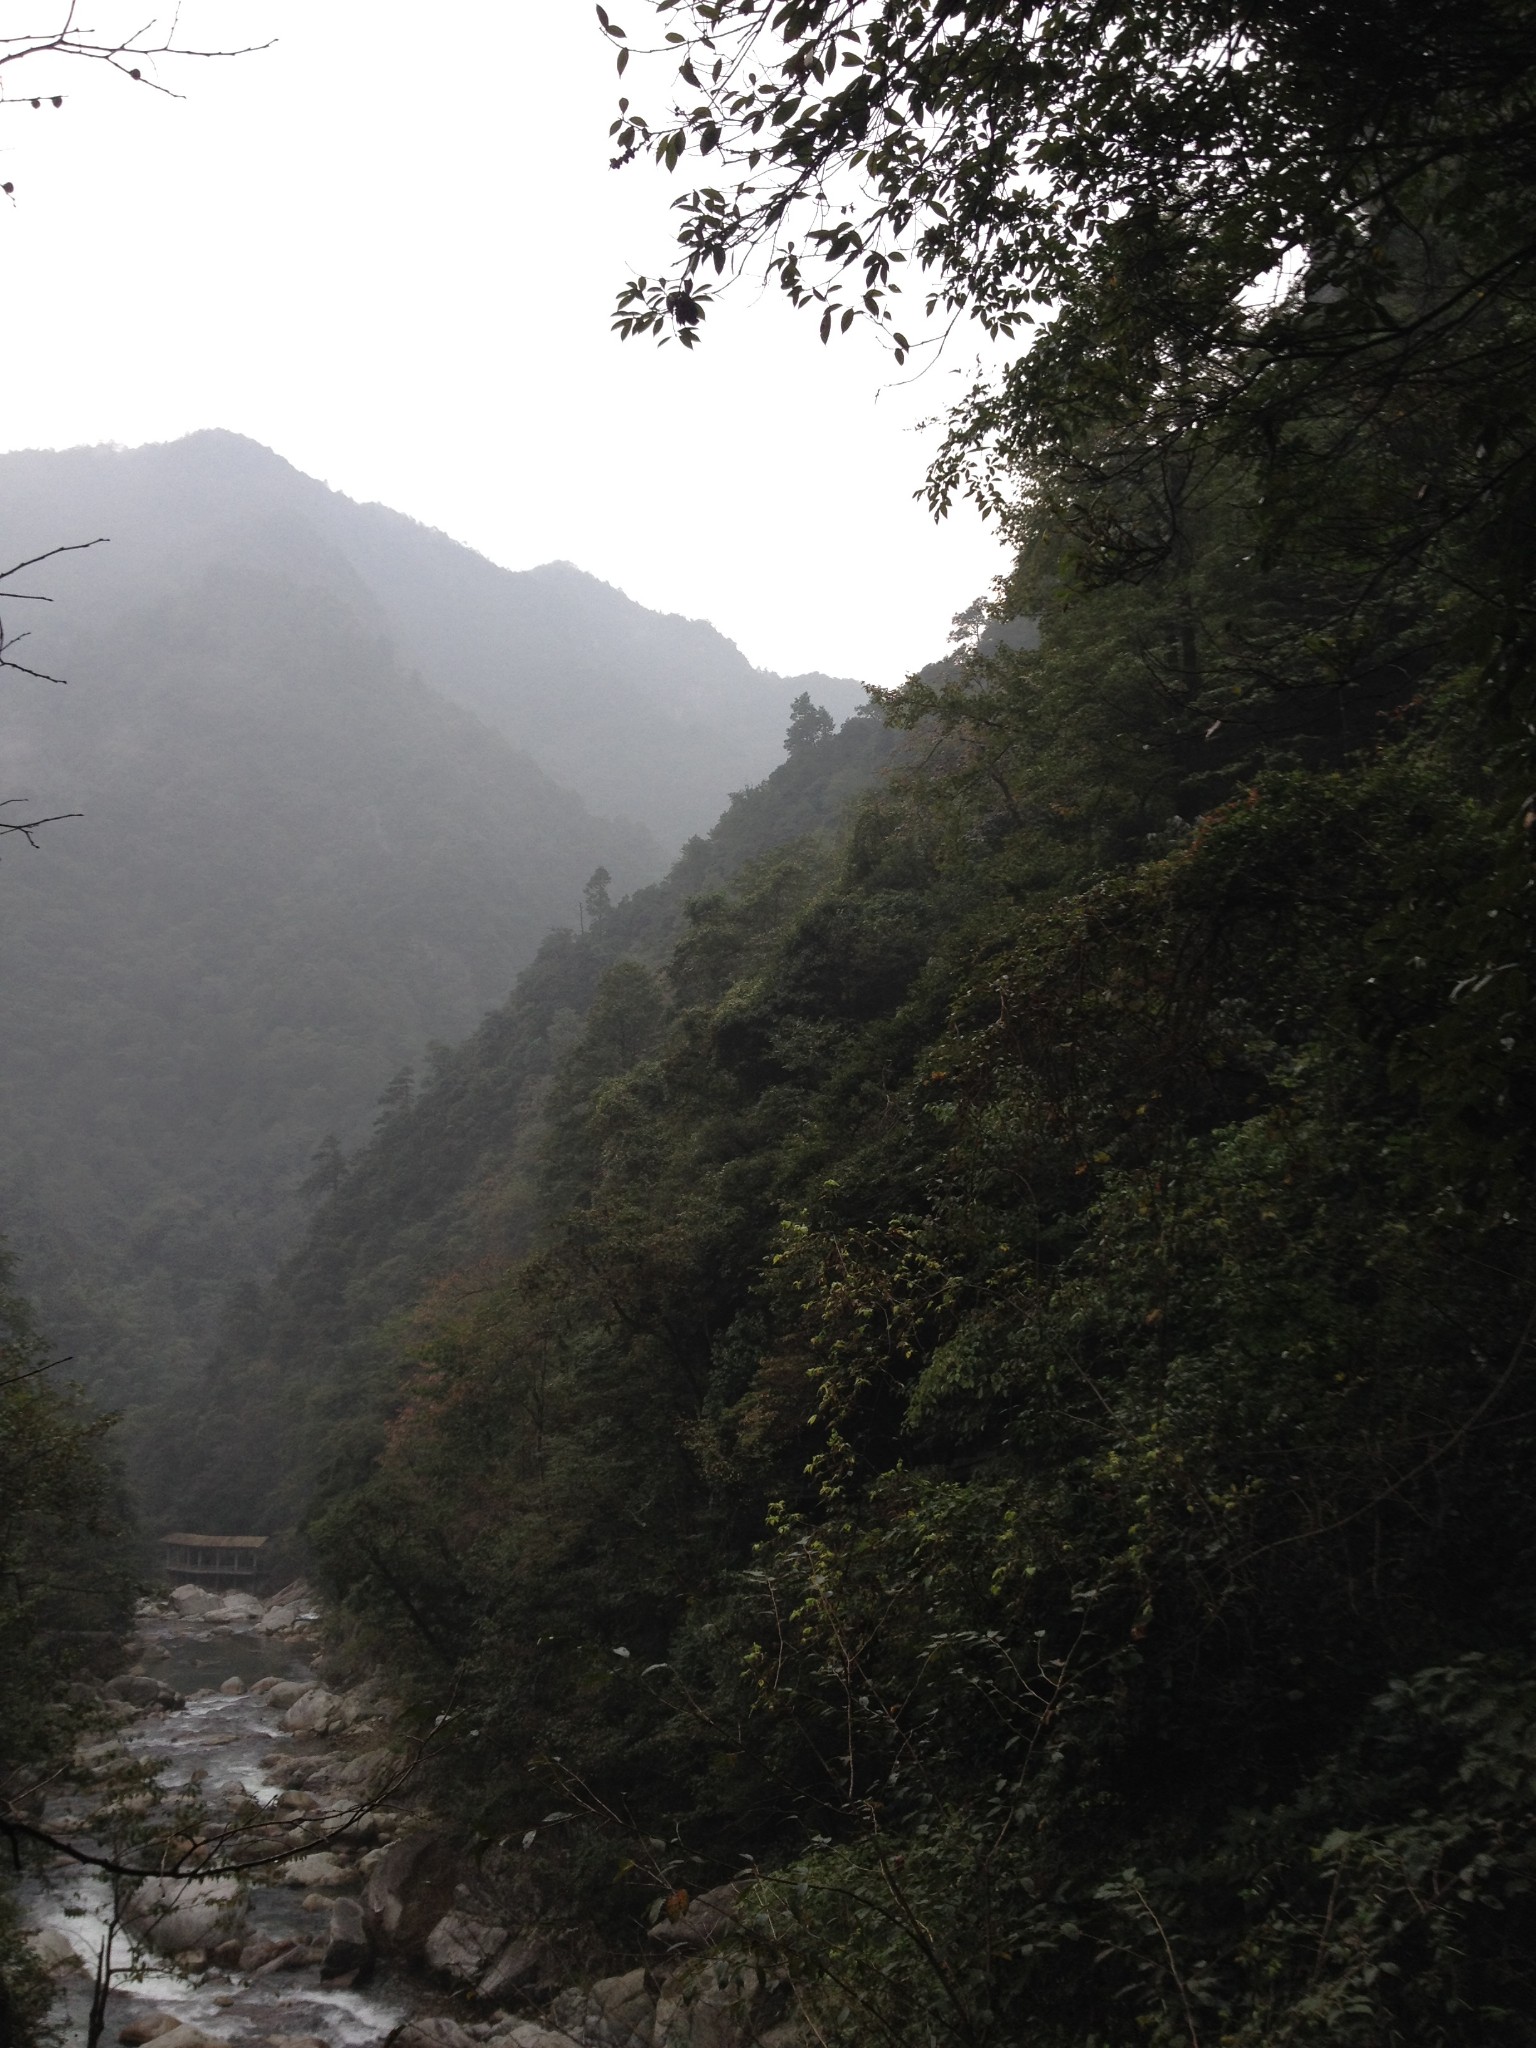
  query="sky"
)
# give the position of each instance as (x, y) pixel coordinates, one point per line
(387, 247)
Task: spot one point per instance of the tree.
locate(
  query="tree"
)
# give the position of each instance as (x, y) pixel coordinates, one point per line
(1272, 220)
(808, 723)
(596, 903)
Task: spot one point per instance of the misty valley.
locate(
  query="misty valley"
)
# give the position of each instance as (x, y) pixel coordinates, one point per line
(694, 1358)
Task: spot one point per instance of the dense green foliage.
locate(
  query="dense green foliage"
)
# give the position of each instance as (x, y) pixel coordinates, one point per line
(1015, 1421)
(66, 1583)
(983, 1372)
(448, 1185)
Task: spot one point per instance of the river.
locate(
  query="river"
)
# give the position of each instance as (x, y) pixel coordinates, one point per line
(215, 1738)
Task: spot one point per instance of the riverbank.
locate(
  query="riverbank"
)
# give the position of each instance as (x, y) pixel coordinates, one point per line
(353, 1922)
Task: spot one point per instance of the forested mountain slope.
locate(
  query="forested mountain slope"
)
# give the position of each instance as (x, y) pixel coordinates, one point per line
(448, 1187)
(1009, 1435)
(645, 715)
(295, 866)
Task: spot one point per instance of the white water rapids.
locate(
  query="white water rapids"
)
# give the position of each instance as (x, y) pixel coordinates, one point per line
(214, 1739)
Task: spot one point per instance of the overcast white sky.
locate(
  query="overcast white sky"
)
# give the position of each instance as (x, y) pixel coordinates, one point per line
(388, 247)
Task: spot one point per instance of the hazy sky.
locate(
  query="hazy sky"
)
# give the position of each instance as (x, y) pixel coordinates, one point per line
(388, 247)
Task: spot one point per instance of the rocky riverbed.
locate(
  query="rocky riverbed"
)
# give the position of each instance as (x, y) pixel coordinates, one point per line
(354, 1923)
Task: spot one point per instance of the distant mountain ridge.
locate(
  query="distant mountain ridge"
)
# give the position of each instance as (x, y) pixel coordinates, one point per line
(646, 715)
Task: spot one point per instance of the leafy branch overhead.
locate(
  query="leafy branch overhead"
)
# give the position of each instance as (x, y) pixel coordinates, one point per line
(1178, 198)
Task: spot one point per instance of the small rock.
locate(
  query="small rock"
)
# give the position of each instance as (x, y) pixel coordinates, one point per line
(188, 2036)
(262, 1686)
(314, 1902)
(233, 1687)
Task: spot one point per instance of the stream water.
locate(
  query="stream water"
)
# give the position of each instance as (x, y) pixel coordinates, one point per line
(212, 1740)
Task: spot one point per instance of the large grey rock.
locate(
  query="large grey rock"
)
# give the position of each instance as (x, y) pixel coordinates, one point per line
(316, 1872)
(707, 1917)
(348, 1951)
(312, 1713)
(527, 2034)
(460, 1947)
(170, 1914)
(276, 1620)
(150, 2028)
(193, 1600)
(520, 1963)
(52, 1949)
(410, 1888)
(231, 1607)
(707, 2004)
(616, 2012)
(438, 2032)
(140, 1690)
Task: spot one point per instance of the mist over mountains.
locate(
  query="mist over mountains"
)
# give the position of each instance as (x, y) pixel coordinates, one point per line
(311, 746)
(645, 715)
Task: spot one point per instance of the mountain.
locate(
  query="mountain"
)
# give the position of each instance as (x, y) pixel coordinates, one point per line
(644, 714)
(447, 1182)
(295, 867)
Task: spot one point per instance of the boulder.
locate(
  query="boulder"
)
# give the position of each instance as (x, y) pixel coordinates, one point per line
(707, 2004)
(460, 1947)
(232, 1607)
(312, 1713)
(369, 1767)
(137, 1689)
(316, 1872)
(410, 1888)
(283, 1692)
(137, 2032)
(438, 2032)
(527, 2034)
(187, 2036)
(291, 1955)
(520, 1964)
(616, 2012)
(258, 1953)
(193, 1600)
(171, 1914)
(52, 1949)
(348, 1951)
(295, 2041)
(233, 1687)
(277, 1620)
(707, 1917)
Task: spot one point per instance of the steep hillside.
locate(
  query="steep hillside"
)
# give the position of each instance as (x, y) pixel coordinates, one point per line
(448, 1185)
(646, 716)
(295, 866)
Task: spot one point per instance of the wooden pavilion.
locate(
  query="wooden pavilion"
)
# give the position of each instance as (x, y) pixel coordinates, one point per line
(218, 1561)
